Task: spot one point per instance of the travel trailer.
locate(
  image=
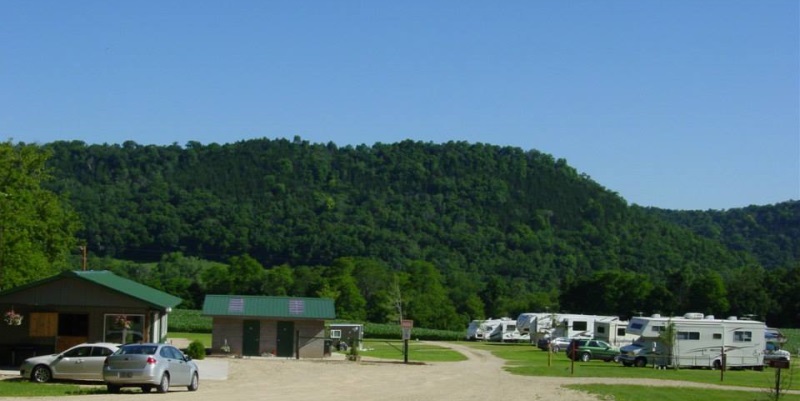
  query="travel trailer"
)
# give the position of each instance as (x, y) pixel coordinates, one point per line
(698, 341)
(613, 331)
(474, 332)
(551, 325)
(506, 331)
(479, 330)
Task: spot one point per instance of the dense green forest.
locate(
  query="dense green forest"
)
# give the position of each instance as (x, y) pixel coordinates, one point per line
(442, 233)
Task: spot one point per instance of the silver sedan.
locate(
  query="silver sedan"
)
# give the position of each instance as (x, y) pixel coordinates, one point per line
(81, 362)
(150, 366)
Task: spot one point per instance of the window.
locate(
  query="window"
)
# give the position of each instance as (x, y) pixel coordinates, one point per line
(79, 352)
(73, 325)
(743, 336)
(580, 325)
(124, 329)
(688, 335)
(101, 351)
(636, 326)
(717, 336)
(601, 330)
(658, 329)
(336, 334)
(620, 331)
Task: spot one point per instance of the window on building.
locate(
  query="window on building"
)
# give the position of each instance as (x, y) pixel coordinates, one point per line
(73, 325)
(336, 334)
(123, 328)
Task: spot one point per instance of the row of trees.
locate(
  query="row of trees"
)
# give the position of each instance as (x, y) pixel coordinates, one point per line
(454, 231)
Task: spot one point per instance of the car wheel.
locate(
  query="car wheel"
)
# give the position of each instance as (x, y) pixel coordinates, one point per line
(585, 357)
(163, 386)
(195, 382)
(640, 362)
(41, 374)
(112, 388)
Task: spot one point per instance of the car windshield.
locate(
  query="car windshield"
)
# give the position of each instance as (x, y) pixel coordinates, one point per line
(137, 350)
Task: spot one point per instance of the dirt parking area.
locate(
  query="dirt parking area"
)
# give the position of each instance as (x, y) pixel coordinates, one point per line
(481, 377)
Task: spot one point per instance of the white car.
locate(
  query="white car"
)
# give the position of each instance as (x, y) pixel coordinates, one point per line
(81, 362)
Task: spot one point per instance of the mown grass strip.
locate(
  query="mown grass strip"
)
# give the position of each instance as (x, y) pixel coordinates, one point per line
(531, 361)
(417, 351)
(25, 388)
(637, 393)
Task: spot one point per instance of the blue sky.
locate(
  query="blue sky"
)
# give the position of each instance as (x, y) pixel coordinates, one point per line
(673, 104)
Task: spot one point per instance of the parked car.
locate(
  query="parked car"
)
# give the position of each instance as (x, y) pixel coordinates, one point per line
(586, 350)
(150, 366)
(81, 362)
(558, 343)
(775, 353)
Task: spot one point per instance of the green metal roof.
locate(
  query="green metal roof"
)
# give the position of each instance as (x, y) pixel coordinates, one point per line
(130, 288)
(269, 307)
(109, 280)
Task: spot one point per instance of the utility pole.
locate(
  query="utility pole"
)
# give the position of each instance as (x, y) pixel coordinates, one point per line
(83, 255)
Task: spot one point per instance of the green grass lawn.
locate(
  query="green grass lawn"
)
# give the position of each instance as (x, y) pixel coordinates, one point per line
(638, 393)
(25, 388)
(531, 361)
(204, 338)
(417, 351)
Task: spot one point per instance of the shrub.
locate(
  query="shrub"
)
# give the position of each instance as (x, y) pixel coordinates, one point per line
(196, 350)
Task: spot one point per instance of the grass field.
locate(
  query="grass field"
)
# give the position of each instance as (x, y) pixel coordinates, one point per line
(531, 361)
(204, 338)
(417, 351)
(638, 393)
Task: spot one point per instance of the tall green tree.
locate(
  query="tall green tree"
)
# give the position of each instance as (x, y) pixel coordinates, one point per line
(37, 227)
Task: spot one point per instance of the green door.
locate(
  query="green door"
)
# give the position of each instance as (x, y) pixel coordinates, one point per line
(251, 332)
(286, 339)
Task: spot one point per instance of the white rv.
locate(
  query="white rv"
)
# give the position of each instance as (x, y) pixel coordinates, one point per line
(698, 341)
(472, 330)
(613, 331)
(551, 325)
(506, 331)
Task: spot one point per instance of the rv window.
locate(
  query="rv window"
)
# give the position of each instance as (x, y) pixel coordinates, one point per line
(743, 336)
(688, 335)
(636, 326)
(581, 326)
(336, 334)
(621, 331)
(601, 330)
(658, 329)
(717, 336)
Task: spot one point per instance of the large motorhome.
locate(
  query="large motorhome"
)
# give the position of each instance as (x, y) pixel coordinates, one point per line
(479, 330)
(699, 341)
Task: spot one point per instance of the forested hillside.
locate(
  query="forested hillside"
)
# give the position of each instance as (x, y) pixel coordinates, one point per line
(447, 232)
(770, 233)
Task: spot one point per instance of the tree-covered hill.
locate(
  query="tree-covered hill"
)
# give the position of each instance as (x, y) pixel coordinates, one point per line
(481, 230)
(770, 233)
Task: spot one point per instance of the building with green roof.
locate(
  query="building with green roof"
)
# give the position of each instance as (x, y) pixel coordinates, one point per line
(80, 306)
(260, 325)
